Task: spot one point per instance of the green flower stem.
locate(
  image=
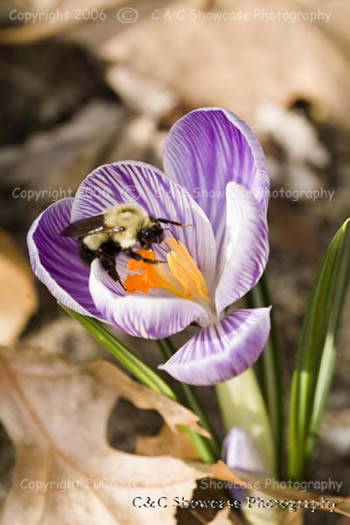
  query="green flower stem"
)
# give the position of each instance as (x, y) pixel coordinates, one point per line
(140, 371)
(190, 398)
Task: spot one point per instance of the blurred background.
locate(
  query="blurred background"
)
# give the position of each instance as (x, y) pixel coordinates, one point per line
(84, 83)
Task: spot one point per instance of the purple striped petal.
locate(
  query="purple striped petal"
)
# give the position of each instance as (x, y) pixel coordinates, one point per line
(239, 452)
(159, 196)
(56, 262)
(148, 317)
(207, 149)
(222, 350)
(245, 250)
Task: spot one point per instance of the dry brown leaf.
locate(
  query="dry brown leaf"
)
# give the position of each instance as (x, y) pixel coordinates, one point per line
(338, 24)
(294, 518)
(234, 64)
(222, 472)
(18, 299)
(144, 398)
(56, 415)
(61, 157)
(204, 513)
(167, 442)
(223, 518)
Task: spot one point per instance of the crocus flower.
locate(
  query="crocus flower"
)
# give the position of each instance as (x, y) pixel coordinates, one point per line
(216, 182)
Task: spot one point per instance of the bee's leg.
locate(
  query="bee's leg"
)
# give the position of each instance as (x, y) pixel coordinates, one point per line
(138, 257)
(108, 264)
(107, 254)
(171, 233)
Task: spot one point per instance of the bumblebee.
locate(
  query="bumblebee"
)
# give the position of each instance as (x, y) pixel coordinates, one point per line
(117, 230)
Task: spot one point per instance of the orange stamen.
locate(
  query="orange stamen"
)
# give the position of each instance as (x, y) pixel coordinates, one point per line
(181, 276)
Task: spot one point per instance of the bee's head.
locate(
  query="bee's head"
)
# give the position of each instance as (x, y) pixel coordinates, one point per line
(150, 235)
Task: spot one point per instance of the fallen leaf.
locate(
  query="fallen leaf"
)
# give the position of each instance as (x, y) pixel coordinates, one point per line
(187, 44)
(60, 158)
(293, 518)
(207, 507)
(52, 163)
(18, 299)
(56, 415)
(338, 23)
(165, 442)
(223, 518)
(142, 95)
(145, 398)
(222, 472)
(239, 64)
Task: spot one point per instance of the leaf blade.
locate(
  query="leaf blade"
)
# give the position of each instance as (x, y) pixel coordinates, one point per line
(270, 370)
(316, 355)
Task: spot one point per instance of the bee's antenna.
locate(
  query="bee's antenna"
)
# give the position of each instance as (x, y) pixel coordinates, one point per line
(175, 223)
(172, 233)
(162, 248)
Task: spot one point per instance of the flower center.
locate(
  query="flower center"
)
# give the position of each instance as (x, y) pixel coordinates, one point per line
(181, 276)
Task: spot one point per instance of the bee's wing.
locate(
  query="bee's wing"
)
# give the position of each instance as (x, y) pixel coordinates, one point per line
(88, 226)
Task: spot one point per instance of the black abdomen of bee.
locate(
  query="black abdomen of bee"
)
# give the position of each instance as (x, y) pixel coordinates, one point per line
(86, 255)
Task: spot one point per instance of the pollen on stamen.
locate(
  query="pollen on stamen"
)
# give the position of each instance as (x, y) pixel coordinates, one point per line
(181, 276)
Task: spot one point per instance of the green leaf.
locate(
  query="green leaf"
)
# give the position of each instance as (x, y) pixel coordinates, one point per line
(316, 356)
(270, 373)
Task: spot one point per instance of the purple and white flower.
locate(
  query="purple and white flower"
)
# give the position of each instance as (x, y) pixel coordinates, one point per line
(216, 181)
